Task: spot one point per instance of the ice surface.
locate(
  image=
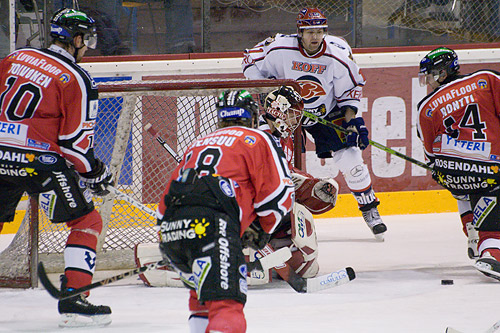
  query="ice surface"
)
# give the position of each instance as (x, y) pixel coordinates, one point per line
(397, 289)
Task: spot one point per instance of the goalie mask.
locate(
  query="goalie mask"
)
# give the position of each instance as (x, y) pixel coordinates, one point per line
(237, 108)
(438, 63)
(283, 108)
(68, 23)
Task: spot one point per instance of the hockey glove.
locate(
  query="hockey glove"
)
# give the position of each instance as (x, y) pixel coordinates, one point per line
(327, 190)
(98, 179)
(255, 237)
(358, 135)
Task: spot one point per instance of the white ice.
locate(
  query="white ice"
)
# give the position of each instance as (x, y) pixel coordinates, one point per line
(397, 289)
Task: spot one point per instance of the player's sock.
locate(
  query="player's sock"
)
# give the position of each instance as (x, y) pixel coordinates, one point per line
(226, 316)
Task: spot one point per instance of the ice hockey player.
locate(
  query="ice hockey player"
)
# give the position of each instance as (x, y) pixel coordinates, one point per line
(282, 114)
(230, 191)
(331, 85)
(48, 110)
(459, 125)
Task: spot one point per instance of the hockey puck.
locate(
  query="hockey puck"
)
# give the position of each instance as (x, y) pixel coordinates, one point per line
(446, 282)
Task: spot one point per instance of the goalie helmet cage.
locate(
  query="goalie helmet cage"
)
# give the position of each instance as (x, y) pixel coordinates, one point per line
(179, 111)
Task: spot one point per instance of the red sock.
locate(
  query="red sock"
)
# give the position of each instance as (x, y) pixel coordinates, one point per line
(226, 316)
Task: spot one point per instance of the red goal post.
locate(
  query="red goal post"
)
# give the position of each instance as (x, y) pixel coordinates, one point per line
(180, 111)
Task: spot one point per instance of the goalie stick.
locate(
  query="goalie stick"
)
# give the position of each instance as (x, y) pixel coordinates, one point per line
(271, 260)
(309, 285)
(373, 143)
(492, 329)
(298, 283)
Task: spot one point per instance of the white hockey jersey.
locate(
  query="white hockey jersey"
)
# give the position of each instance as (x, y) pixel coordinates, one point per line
(328, 78)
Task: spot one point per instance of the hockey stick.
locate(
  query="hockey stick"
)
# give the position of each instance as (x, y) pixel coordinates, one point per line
(492, 329)
(373, 143)
(149, 128)
(273, 259)
(309, 285)
(122, 196)
(60, 294)
(284, 270)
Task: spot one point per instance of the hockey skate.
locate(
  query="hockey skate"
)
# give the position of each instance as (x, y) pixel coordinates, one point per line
(488, 265)
(76, 311)
(374, 221)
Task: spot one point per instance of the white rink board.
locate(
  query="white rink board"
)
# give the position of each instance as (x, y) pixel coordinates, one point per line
(137, 69)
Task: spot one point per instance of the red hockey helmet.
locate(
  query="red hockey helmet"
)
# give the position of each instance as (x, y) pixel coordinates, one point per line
(311, 18)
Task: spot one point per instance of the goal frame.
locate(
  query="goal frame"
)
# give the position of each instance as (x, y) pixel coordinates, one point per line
(130, 92)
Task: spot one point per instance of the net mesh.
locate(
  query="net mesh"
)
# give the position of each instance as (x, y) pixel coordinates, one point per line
(179, 111)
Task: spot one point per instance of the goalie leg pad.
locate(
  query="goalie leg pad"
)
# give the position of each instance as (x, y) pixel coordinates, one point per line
(304, 232)
(304, 260)
(148, 253)
(301, 266)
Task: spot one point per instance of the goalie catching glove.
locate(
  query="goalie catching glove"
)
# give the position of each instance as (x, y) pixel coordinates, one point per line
(255, 237)
(318, 195)
(98, 179)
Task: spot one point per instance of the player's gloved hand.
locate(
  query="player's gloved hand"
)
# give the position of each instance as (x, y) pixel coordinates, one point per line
(358, 135)
(255, 237)
(98, 179)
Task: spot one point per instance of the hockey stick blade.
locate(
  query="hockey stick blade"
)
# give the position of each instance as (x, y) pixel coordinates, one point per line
(44, 279)
(331, 280)
(492, 329)
(58, 294)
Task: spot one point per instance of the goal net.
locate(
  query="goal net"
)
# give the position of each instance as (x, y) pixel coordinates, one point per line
(180, 111)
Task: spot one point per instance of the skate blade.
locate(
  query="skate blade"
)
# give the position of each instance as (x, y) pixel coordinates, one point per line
(487, 269)
(79, 320)
(379, 237)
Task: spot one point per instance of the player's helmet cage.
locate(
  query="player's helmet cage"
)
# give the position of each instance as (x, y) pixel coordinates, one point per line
(283, 107)
(311, 18)
(66, 23)
(237, 108)
(438, 62)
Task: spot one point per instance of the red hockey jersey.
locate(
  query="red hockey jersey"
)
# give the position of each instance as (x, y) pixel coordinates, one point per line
(459, 124)
(257, 167)
(48, 110)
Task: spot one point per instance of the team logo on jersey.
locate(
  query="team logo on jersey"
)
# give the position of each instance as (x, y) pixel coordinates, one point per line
(48, 202)
(13, 55)
(482, 209)
(473, 149)
(225, 187)
(428, 113)
(483, 84)
(311, 88)
(38, 144)
(64, 78)
(307, 67)
(494, 157)
(47, 159)
(200, 227)
(250, 140)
